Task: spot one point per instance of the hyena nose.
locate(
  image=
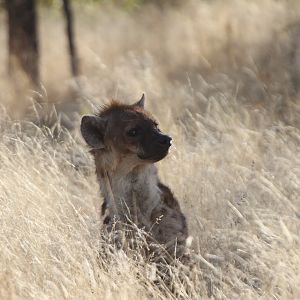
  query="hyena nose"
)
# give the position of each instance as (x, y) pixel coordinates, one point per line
(165, 140)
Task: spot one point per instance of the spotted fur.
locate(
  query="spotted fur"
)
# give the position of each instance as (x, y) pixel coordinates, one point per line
(138, 194)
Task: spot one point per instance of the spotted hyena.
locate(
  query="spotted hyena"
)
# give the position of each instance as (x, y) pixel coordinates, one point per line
(126, 142)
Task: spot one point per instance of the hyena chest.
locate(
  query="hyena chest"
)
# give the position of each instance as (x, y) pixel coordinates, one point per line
(136, 196)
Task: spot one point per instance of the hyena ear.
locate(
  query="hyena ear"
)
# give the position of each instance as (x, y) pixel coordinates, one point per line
(93, 131)
(141, 102)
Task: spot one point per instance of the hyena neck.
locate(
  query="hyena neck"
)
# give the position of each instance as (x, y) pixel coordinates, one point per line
(135, 191)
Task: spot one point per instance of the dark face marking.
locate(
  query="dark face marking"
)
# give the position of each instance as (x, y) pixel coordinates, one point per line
(136, 132)
(126, 129)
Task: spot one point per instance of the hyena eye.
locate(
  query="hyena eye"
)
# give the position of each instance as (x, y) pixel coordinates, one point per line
(133, 132)
(157, 127)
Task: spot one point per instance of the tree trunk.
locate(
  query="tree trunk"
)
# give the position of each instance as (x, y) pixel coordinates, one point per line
(70, 34)
(23, 39)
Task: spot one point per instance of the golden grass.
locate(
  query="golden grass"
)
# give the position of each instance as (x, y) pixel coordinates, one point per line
(221, 77)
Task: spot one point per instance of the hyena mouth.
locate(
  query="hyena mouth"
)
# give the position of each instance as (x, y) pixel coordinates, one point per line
(155, 157)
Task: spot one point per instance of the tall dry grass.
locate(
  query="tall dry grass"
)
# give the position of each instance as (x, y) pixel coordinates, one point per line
(222, 79)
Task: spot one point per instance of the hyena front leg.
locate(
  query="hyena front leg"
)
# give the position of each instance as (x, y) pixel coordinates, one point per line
(170, 229)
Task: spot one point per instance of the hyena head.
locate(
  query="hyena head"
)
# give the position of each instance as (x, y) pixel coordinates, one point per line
(125, 132)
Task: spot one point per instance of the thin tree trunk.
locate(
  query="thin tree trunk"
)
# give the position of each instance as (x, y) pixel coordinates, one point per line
(23, 39)
(70, 34)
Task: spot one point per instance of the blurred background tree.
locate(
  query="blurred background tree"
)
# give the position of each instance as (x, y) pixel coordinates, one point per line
(23, 43)
(70, 35)
(23, 39)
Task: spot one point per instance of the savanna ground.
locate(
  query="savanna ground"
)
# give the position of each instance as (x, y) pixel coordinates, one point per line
(222, 77)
